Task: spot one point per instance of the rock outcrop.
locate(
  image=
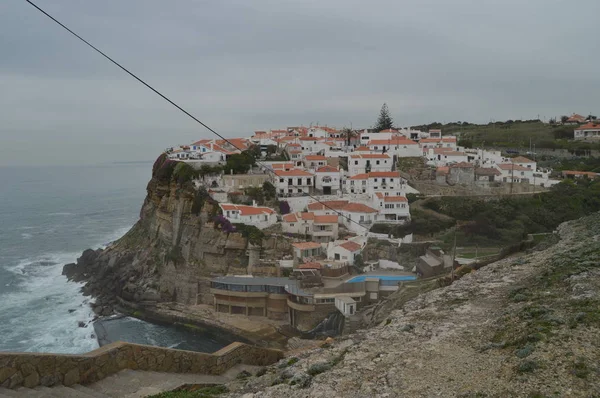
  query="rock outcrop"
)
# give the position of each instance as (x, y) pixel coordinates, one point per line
(168, 255)
(525, 326)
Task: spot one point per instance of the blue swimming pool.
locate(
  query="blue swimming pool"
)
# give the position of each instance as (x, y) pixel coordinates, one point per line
(362, 278)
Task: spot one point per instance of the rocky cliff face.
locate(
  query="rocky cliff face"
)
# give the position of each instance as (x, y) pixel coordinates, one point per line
(168, 255)
(525, 326)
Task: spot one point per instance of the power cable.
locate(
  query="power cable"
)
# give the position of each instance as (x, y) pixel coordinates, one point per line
(172, 102)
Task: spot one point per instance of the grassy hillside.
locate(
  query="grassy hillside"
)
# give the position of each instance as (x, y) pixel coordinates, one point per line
(514, 134)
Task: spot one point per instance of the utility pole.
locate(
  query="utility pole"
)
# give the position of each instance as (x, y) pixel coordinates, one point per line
(512, 176)
(453, 254)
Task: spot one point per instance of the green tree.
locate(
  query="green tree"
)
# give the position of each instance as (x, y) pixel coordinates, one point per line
(384, 121)
(564, 118)
(269, 190)
(347, 134)
(240, 163)
(271, 150)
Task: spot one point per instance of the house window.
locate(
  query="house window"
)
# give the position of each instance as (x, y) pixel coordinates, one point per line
(291, 225)
(356, 162)
(308, 181)
(281, 180)
(522, 173)
(299, 181)
(391, 180)
(377, 162)
(299, 190)
(375, 180)
(403, 205)
(290, 181)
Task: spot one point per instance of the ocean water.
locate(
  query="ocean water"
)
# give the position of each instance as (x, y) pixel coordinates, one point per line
(48, 216)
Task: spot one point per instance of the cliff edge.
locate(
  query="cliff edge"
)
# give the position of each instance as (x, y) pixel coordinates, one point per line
(525, 326)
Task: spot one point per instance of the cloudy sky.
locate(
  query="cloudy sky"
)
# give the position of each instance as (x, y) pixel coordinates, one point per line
(245, 65)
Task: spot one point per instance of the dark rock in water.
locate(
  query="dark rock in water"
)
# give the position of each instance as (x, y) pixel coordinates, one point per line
(106, 311)
(69, 269)
(97, 310)
(71, 311)
(88, 257)
(81, 324)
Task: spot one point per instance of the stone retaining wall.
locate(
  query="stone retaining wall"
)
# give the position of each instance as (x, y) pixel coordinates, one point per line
(33, 369)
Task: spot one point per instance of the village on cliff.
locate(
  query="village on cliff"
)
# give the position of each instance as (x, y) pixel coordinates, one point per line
(336, 189)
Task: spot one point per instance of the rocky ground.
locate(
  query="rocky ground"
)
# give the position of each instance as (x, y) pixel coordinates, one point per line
(526, 326)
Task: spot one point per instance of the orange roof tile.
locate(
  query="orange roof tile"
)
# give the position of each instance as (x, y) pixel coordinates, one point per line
(292, 173)
(327, 169)
(290, 217)
(590, 174)
(512, 166)
(389, 131)
(362, 176)
(359, 208)
(430, 140)
(284, 166)
(589, 126)
(442, 170)
(307, 216)
(395, 199)
(362, 148)
(327, 205)
(306, 245)
(328, 219)
(462, 165)
(351, 246)
(449, 139)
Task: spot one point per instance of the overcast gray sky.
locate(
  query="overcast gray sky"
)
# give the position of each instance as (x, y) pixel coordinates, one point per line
(248, 65)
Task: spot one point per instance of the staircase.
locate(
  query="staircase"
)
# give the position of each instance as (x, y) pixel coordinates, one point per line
(128, 384)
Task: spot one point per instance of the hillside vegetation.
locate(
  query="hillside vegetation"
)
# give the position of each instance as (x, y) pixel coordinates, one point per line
(514, 134)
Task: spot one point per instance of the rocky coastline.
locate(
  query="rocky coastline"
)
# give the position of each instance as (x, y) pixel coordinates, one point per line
(161, 268)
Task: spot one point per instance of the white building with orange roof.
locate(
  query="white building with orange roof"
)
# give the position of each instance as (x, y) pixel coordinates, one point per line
(399, 146)
(321, 228)
(445, 156)
(360, 163)
(294, 182)
(344, 251)
(314, 161)
(389, 182)
(392, 209)
(328, 180)
(512, 172)
(260, 217)
(312, 145)
(589, 131)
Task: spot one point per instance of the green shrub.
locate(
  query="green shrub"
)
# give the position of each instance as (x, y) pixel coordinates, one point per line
(318, 368)
(580, 368)
(527, 366)
(525, 351)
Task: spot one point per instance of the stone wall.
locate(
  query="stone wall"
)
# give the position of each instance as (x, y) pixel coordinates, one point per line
(33, 369)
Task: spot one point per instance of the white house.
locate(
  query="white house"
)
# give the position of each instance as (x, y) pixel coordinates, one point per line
(524, 162)
(392, 209)
(399, 146)
(312, 145)
(365, 136)
(358, 217)
(515, 173)
(260, 217)
(589, 131)
(314, 161)
(327, 207)
(388, 182)
(322, 228)
(293, 182)
(367, 162)
(328, 180)
(445, 156)
(344, 251)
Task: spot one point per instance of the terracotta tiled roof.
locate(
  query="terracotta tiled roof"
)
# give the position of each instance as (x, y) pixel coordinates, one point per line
(327, 169)
(449, 139)
(282, 166)
(512, 166)
(328, 219)
(389, 131)
(359, 208)
(306, 245)
(327, 205)
(307, 216)
(443, 170)
(362, 176)
(576, 118)
(292, 173)
(590, 174)
(351, 246)
(589, 126)
(362, 148)
(429, 140)
(290, 218)
(393, 199)
(435, 130)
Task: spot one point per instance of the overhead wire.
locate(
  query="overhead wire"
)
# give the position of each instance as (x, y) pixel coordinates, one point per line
(175, 104)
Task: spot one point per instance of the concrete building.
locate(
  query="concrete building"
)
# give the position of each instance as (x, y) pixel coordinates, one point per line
(246, 295)
(344, 251)
(392, 209)
(434, 262)
(389, 182)
(306, 252)
(313, 162)
(399, 146)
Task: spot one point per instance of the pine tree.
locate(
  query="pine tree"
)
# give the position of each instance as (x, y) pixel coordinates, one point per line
(384, 121)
